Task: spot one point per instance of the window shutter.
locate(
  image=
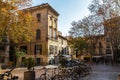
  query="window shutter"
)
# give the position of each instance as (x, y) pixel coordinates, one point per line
(35, 49)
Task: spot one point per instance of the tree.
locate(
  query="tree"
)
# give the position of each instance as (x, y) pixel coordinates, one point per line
(15, 23)
(112, 33)
(109, 11)
(88, 29)
(105, 8)
(18, 55)
(79, 45)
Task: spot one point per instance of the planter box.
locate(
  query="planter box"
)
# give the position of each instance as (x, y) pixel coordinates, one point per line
(29, 75)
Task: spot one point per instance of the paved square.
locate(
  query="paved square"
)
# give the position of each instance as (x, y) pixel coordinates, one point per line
(103, 72)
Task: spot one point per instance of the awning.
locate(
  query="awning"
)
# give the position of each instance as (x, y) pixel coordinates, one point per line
(108, 54)
(87, 56)
(96, 56)
(67, 56)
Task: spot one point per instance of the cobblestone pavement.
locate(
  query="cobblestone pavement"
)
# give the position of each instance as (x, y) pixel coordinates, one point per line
(103, 72)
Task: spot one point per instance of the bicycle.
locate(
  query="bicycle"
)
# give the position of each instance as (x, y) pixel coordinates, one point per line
(56, 75)
(8, 75)
(44, 76)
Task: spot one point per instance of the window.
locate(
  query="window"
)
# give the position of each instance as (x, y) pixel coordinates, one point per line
(51, 49)
(108, 51)
(100, 51)
(55, 34)
(50, 20)
(38, 17)
(107, 40)
(107, 46)
(23, 59)
(38, 34)
(61, 41)
(93, 45)
(55, 49)
(2, 59)
(100, 44)
(55, 22)
(38, 49)
(2, 47)
(4, 39)
(23, 48)
(50, 17)
(51, 33)
(37, 61)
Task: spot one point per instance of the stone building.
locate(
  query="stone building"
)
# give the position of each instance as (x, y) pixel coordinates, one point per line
(62, 44)
(47, 43)
(96, 48)
(112, 33)
(109, 43)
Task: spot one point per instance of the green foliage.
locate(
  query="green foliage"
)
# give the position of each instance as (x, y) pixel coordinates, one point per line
(16, 24)
(19, 53)
(29, 63)
(80, 44)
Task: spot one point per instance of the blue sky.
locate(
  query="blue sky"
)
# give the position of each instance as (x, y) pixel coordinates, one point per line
(69, 10)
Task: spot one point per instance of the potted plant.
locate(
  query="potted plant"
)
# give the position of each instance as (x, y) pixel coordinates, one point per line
(30, 74)
(29, 63)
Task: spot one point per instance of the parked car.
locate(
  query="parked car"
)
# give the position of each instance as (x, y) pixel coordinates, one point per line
(72, 63)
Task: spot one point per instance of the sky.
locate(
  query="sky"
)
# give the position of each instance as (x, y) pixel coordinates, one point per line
(69, 10)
